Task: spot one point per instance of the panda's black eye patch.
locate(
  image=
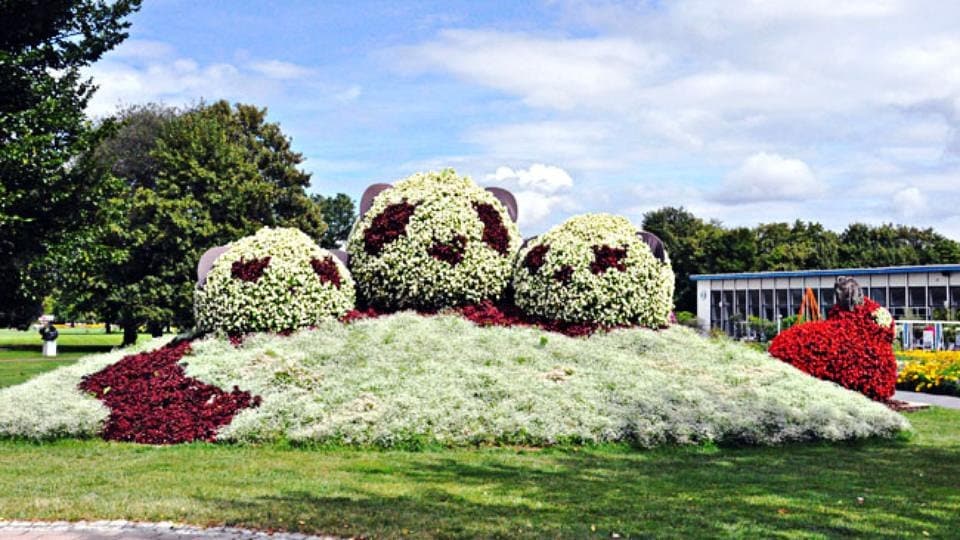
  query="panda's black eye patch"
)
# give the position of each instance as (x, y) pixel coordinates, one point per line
(606, 257)
(535, 258)
(387, 227)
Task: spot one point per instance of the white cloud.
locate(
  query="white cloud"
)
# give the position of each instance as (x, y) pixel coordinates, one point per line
(909, 202)
(770, 177)
(540, 190)
(276, 69)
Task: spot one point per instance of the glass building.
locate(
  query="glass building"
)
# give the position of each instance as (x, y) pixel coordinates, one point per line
(911, 293)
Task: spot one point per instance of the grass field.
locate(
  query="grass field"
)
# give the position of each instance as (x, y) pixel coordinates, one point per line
(878, 489)
(20, 357)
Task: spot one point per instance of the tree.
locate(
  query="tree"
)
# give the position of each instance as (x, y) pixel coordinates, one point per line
(339, 213)
(214, 173)
(802, 246)
(43, 45)
(863, 245)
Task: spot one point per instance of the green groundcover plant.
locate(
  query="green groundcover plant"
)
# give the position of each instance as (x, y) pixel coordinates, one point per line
(278, 279)
(407, 380)
(594, 268)
(433, 240)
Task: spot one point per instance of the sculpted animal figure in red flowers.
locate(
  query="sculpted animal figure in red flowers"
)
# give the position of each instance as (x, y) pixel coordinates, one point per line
(853, 347)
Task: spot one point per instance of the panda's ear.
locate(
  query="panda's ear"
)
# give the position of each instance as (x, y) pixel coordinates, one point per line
(206, 262)
(366, 201)
(342, 255)
(507, 199)
(655, 245)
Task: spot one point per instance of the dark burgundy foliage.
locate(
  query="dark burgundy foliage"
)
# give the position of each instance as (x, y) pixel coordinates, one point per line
(249, 270)
(494, 233)
(535, 258)
(387, 227)
(451, 252)
(152, 401)
(564, 275)
(326, 270)
(505, 314)
(606, 257)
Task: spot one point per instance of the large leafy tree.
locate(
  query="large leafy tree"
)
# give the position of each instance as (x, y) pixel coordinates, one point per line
(339, 213)
(43, 45)
(211, 175)
(863, 245)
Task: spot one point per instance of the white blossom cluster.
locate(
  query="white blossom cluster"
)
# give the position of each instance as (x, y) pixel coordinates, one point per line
(641, 294)
(288, 295)
(883, 317)
(407, 379)
(404, 274)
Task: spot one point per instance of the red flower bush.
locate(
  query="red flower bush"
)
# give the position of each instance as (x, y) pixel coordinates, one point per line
(387, 227)
(451, 252)
(850, 348)
(495, 234)
(606, 257)
(152, 401)
(249, 270)
(326, 270)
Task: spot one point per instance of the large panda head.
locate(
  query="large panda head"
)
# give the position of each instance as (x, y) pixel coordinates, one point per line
(595, 268)
(433, 240)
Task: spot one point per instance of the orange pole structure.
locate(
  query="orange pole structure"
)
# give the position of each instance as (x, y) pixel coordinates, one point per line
(809, 307)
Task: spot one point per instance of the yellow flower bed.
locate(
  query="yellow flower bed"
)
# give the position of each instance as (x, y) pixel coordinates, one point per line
(929, 370)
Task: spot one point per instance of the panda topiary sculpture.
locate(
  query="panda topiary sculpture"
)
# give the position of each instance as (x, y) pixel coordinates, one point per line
(595, 268)
(276, 280)
(433, 240)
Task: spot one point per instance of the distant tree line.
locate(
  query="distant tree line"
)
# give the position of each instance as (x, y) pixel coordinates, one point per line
(697, 246)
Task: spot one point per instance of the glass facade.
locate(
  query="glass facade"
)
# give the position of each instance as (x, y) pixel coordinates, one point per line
(916, 296)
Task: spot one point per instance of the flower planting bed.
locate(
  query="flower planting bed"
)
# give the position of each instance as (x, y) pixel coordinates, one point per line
(405, 380)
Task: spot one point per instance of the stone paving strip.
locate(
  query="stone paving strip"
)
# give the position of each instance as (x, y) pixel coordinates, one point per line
(112, 530)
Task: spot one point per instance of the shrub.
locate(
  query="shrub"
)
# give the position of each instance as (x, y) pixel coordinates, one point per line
(593, 268)
(275, 280)
(433, 240)
(151, 401)
(852, 348)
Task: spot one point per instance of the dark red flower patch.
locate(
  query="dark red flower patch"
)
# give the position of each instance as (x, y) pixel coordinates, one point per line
(606, 257)
(450, 252)
(507, 314)
(849, 348)
(494, 233)
(535, 258)
(249, 270)
(152, 401)
(387, 227)
(326, 270)
(564, 274)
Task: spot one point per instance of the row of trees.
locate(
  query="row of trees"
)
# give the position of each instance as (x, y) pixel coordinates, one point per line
(111, 218)
(707, 247)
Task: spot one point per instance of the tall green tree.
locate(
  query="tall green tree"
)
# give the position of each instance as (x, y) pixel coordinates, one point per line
(213, 174)
(863, 245)
(43, 45)
(339, 213)
(800, 246)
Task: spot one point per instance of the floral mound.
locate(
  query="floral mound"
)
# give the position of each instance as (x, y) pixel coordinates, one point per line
(405, 380)
(852, 348)
(433, 240)
(275, 280)
(593, 269)
(152, 401)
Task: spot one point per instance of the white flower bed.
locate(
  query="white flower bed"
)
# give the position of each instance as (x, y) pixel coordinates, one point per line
(565, 285)
(289, 293)
(402, 272)
(408, 380)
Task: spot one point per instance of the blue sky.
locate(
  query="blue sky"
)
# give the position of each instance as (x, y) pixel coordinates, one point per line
(741, 111)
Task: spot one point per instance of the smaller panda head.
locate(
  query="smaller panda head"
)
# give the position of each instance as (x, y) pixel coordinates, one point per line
(433, 240)
(277, 279)
(595, 268)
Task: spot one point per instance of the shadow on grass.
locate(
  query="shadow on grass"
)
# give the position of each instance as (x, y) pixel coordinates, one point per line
(871, 490)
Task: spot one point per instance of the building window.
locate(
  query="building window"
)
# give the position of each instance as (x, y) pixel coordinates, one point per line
(715, 309)
(879, 295)
(938, 303)
(782, 308)
(827, 300)
(753, 303)
(740, 311)
(768, 309)
(917, 297)
(796, 298)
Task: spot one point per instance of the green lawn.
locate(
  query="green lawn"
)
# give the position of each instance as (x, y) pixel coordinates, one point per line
(878, 489)
(20, 357)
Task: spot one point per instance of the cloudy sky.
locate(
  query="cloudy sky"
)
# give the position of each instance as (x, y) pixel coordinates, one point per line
(743, 111)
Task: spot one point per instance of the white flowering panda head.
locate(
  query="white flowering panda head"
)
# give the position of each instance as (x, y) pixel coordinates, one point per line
(433, 240)
(277, 279)
(595, 268)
